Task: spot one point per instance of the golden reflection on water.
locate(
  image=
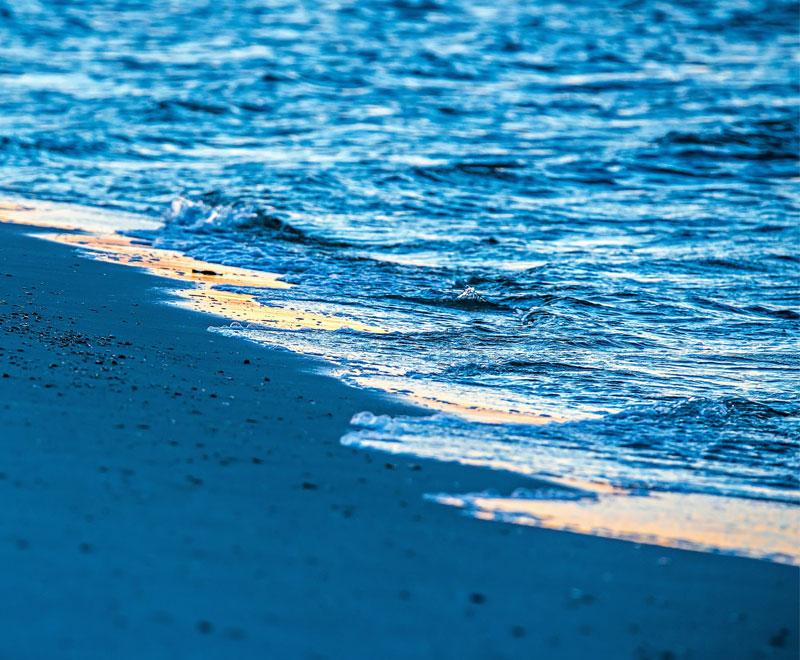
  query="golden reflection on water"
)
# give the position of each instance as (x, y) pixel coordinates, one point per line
(753, 528)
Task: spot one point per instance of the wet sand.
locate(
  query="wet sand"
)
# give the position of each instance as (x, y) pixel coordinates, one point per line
(174, 493)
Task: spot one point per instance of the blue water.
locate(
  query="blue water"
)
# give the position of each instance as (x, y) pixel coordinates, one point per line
(587, 210)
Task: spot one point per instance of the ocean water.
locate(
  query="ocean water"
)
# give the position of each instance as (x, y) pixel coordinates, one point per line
(578, 213)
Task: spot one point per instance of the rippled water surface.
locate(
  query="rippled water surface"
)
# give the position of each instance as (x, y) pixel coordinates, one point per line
(579, 212)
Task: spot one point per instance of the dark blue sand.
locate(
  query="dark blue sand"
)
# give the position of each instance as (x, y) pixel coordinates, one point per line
(563, 207)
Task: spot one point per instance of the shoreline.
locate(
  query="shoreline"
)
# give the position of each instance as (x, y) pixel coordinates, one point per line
(173, 502)
(702, 521)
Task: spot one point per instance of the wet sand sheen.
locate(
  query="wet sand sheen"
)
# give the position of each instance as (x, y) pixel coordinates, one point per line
(715, 524)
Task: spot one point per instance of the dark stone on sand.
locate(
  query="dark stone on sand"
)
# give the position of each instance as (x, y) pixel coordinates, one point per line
(778, 640)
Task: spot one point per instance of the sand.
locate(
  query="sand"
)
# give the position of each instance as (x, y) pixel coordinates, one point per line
(173, 493)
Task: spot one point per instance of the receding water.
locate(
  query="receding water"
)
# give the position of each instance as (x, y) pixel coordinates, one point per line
(582, 213)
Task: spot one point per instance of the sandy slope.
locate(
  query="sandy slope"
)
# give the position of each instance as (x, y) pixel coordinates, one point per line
(191, 500)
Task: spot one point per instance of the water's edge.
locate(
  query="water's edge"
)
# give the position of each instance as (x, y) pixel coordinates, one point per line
(747, 525)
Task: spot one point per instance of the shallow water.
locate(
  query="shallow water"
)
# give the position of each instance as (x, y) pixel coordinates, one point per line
(558, 212)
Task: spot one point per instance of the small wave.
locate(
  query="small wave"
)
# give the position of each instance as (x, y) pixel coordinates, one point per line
(212, 215)
(469, 299)
(732, 264)
(765, 134)
(193, 106)
(501, 171)
(731, 446)
(785, 314)
(520, 368)
(709, 411)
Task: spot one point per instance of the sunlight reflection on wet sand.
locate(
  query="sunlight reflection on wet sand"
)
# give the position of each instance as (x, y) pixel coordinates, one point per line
(204, 296)
(490, 412)
(752, 528)
(166, 263)
(55, 215)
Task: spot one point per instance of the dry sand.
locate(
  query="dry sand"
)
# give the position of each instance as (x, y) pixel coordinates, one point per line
(173, 493)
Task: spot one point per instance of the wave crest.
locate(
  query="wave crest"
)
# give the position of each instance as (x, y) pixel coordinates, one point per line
(212, 214)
